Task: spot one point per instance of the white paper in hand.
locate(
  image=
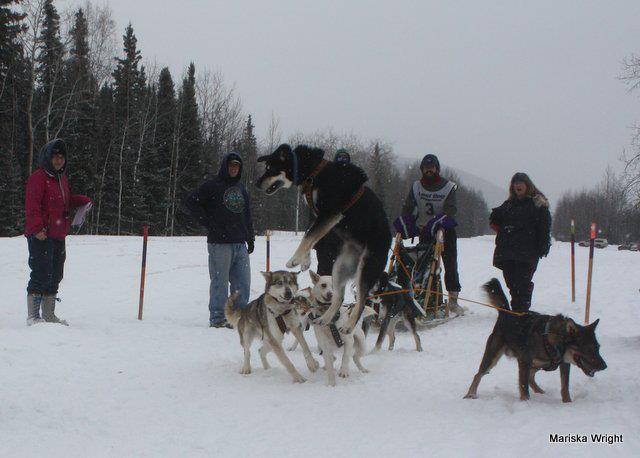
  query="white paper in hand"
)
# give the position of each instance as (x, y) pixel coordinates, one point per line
(81, 214)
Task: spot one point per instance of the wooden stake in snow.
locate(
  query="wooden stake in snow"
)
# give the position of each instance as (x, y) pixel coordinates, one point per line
(435, 265)
(268, 234)
(145, 237)
(589, 274)
(396, 247)
(573, 261)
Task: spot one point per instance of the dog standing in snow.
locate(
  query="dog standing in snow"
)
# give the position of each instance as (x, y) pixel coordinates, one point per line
(268, 317)
(330, 338)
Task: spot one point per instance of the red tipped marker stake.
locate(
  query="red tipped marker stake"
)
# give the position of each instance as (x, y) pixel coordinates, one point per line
(590, 272)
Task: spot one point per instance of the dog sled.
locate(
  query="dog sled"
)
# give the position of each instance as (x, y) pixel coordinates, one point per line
(418, 271)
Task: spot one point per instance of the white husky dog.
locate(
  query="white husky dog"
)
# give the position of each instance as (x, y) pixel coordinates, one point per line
(330, 339)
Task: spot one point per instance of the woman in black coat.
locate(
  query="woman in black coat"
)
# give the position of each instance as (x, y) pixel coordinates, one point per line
(522, 223)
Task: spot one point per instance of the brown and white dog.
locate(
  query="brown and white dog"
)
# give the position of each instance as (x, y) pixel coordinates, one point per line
(267, 318)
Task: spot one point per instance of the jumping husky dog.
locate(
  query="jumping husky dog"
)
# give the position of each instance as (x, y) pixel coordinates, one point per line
(342, 204)
(330, 338)
(268, 317)
(538, 342)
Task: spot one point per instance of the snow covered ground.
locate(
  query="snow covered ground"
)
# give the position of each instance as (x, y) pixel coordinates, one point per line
(110, 385)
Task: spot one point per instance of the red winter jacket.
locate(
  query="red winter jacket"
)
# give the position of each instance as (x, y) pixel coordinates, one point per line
(49, 203)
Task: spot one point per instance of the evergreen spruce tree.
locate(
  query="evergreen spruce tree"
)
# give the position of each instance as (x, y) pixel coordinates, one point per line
(50, 71)
(79, 134)
(12, 121)
(158, 164)
(129, 84)
(187, 171)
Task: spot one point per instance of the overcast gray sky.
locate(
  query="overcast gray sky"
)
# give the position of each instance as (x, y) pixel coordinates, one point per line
(492, 87)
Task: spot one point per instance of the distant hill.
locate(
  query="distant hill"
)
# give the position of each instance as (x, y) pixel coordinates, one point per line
(493, 194)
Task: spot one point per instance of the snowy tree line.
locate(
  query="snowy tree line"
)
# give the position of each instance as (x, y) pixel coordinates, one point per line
(614, 203)
(610, 204)
(139, 139)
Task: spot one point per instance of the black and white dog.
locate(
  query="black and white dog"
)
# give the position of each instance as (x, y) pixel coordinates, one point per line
(337, 195)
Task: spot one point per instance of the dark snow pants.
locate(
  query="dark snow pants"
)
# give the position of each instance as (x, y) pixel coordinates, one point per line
(518, 276)
(449, 260)
(46, 260)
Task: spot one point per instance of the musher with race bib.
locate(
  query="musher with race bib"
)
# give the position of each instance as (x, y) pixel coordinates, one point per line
(430, 206)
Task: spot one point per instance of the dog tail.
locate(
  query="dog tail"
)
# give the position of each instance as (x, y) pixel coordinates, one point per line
(495, 293)
(232, 313)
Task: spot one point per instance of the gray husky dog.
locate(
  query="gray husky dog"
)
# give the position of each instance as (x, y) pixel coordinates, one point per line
(268, 318)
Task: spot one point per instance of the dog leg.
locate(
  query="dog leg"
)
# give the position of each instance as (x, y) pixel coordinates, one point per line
(410, 322)
(370, 267)
(384, 326)
(246, 338)
(312, 364)
(321, 227)
(279, 351)
(264, 350)
(359, 345)
(328, 365)
(492, 353)
(343, 269)
(392, 333)
(564, 382)
(524, 369)
(532, 382)
(347, 355)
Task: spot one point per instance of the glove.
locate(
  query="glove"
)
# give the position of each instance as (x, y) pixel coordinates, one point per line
(250, 246)
(440, 221)
(406, 226)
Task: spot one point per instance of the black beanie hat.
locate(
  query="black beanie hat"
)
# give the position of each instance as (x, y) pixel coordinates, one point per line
(430, 159)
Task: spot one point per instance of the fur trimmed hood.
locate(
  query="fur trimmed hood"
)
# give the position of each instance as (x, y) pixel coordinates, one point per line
(540, 200)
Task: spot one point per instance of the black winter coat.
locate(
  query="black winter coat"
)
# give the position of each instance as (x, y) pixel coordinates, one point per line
(222, 206)
(523, 228)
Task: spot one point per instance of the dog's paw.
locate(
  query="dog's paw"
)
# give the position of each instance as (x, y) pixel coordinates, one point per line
(304, 261)
(346, 329)
(344, 373)
(471, 396)
(245, 370)
(364, 370)
(525, 397)
(297, 378)
(331, 383)
(312, 364)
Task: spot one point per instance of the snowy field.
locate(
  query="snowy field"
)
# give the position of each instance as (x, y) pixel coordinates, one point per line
(110, 385)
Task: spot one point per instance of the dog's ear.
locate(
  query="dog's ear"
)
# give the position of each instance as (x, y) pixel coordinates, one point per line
(593, 325)
(306, 293)
(282, 152)
(267, 276)
(571, 327)
(315, 278)
(263, 158)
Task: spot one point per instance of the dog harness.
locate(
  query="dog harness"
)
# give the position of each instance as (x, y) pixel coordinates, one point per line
(281, 324)
(332, 327)
(307, 189)
(554, 352)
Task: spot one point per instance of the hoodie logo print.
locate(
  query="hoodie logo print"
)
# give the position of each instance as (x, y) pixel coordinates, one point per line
(234, 200)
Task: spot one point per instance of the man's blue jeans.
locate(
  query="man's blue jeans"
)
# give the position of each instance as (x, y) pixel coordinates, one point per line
(228, 264)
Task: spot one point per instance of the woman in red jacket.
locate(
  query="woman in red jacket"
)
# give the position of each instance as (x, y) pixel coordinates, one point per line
(48, 218)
